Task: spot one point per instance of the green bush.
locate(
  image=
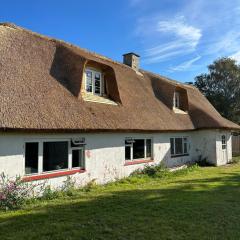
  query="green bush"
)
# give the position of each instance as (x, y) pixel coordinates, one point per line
(69, 187)
(49, 194)
(160, 171)
(14, 192)
(236, 159)
(90, 186)
(152, 171)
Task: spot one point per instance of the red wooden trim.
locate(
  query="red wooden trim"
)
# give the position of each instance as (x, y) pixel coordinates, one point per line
(52, 175)
(137, 162)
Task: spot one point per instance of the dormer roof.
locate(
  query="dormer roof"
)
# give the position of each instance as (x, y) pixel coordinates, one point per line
(40, 90)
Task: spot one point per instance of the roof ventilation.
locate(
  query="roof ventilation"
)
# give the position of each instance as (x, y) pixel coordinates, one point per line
(132, 60)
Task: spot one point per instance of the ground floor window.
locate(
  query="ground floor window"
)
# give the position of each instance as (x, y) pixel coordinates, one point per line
(179, 146)
(31, 157)
(47, 156)
(138, 149)
(78, 158)
(55, 156)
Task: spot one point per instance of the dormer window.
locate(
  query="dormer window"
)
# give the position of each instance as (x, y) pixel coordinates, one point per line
(176, 100)
(94, 82)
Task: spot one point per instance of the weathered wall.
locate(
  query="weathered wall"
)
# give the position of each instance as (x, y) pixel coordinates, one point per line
(105, 153)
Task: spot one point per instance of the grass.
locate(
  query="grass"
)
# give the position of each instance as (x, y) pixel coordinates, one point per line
(203, 203)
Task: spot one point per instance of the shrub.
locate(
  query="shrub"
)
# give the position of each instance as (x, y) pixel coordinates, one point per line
(236, 160)
(160, 171)
(69, 186)
(14, 192)
(49, 194)
(202, 162)
(152, 171)
(90, 186)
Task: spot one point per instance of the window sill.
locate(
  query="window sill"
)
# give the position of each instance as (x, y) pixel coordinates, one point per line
(127, 163)
(180, 155)
(89, 97)
(52, 175)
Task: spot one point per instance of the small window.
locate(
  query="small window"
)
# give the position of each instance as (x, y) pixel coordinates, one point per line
(138, 149)
(224, 145)
(93, 82)
(31, 157)
(55, 156)
(176, 100)
(78, 158)
(179, 146)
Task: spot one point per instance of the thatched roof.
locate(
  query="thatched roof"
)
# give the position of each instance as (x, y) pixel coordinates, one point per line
(40, 90)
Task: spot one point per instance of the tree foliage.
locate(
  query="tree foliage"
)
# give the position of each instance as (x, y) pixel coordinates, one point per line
(221, 86)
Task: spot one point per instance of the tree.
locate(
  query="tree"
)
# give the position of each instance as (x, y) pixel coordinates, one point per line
(221, 86)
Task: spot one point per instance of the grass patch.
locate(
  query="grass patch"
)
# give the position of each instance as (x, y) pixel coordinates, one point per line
(236, 159)
(195, 203)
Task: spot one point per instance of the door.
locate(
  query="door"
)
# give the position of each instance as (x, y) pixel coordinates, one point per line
(224, 150)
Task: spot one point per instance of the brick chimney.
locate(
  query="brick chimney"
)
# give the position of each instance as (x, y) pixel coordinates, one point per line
(132, 60)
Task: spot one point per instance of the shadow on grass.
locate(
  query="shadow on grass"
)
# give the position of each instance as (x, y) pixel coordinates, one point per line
(190, 209)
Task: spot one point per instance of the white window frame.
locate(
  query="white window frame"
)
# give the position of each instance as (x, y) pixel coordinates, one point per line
(40, 155)
(224, 142)
(83, 155)
(93, 72)
(176, 100)
(145, 148)
(185, 139)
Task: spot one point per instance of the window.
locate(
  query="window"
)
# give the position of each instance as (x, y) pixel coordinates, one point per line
(55, 156)
(78, 158)
(138, 149)
(179, 146)
(224, 145)
(47, 156)
(93, 81)
(31, 157)
(176, 100)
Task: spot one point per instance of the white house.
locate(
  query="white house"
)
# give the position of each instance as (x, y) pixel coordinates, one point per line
(66, 111)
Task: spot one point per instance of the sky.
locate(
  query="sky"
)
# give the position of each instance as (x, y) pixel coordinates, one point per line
(175, 38)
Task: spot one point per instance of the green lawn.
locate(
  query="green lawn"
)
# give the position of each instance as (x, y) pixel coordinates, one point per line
(203, 204)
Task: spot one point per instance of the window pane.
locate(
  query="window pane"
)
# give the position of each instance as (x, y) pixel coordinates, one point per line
(185, 145)
(176, 100)
(138, 149)
(178, 146)
(55, 155)
(88, 81)
(31, 157)
(97, 83)
(77, 158)
(127, 152)
(172, 146)
(149, 148)
(185, 148)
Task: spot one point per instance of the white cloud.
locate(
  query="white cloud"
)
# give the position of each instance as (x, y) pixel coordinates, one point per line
(236, 56)
(229, 42)
(185, 65)
(185, 39)
(181, 29)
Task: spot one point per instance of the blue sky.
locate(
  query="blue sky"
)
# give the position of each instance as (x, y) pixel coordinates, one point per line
(176, 38)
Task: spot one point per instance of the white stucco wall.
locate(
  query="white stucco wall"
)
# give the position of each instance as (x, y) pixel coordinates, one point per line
(105, 153)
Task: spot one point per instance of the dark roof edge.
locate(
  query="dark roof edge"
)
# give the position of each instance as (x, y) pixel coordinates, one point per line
(28, 130)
